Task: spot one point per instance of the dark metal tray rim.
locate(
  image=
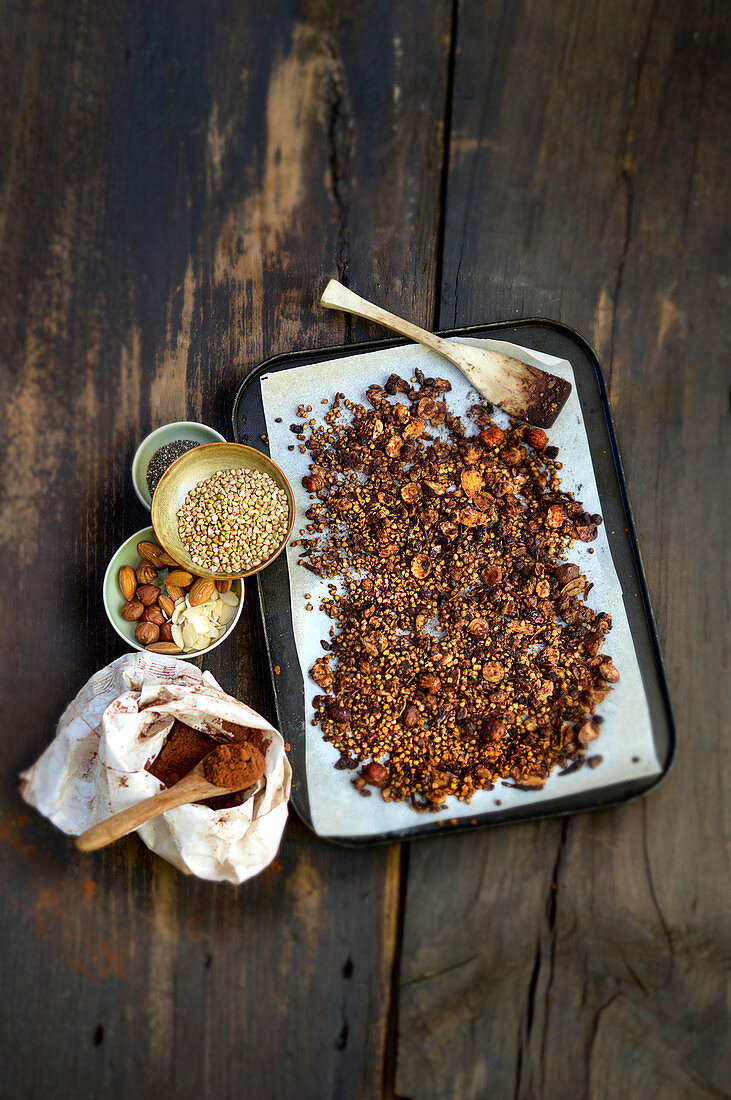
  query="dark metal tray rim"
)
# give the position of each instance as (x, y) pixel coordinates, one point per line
(607, 796)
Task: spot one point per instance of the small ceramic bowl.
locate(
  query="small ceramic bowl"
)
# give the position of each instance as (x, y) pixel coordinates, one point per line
(181, 429)
(113, 598)
(185, 473)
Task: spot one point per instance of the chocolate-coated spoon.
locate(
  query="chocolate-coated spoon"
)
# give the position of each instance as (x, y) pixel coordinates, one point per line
(521, 390)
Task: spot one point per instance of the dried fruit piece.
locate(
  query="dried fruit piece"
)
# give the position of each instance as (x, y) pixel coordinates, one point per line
(493, 672)
(127, 582)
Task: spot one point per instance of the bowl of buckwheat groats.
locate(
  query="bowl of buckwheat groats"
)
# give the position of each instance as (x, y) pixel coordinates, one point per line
(223, 510)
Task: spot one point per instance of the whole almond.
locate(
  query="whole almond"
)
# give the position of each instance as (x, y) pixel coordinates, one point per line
(165, 559)
(147, 633)
(127, 582)
(201, 591)
(166, 632)
(132, 610)
(151, 552)
(164, 647)
(223, 586)
(146, 572)
(174, 592)
(153, 615)
(166, 604)
(181, 578)
(148, 594)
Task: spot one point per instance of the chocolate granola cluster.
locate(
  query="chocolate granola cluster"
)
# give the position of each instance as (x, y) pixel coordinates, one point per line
(463, 650)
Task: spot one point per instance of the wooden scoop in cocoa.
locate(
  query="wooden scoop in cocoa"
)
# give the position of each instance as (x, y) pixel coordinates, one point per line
(227, 769)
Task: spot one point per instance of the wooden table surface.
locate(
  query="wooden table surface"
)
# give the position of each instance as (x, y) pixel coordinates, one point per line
(177, 182)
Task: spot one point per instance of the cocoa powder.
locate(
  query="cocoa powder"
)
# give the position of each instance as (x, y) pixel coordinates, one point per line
(185, 747)
(239, 766)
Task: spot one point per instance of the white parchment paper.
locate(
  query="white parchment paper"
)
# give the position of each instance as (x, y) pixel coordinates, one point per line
(625, 743)
(117, 723)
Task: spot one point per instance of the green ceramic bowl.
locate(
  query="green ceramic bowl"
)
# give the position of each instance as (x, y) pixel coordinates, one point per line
(181, 429)
(184, 475)
(113, 598)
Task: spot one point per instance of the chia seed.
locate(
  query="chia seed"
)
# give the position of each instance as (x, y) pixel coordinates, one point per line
(165, 457)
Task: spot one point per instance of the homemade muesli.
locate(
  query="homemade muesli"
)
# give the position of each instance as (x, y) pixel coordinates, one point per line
(463, 651)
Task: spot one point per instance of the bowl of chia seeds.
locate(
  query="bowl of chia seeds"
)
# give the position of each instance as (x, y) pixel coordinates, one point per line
(161, 448)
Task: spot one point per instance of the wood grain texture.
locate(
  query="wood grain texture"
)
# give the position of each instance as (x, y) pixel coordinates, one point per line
(588, 178)
(178, 182)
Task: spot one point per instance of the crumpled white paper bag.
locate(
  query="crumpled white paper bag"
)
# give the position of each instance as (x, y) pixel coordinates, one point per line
(116, 725)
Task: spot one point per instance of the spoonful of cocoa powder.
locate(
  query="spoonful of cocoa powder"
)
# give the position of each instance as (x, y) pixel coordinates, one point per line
(228, 768)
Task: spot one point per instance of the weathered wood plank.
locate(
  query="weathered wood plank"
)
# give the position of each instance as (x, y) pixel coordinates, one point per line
(588, 182)
(178, 182)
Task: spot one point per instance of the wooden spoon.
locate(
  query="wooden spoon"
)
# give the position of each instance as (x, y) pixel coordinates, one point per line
(193, 787)
(521, 390)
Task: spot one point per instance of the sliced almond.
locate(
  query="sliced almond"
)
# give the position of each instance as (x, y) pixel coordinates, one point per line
(230, 598)
(178, 635)
(190, 635)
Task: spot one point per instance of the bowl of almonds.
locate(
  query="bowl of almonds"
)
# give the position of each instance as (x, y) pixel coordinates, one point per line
(154, 603)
